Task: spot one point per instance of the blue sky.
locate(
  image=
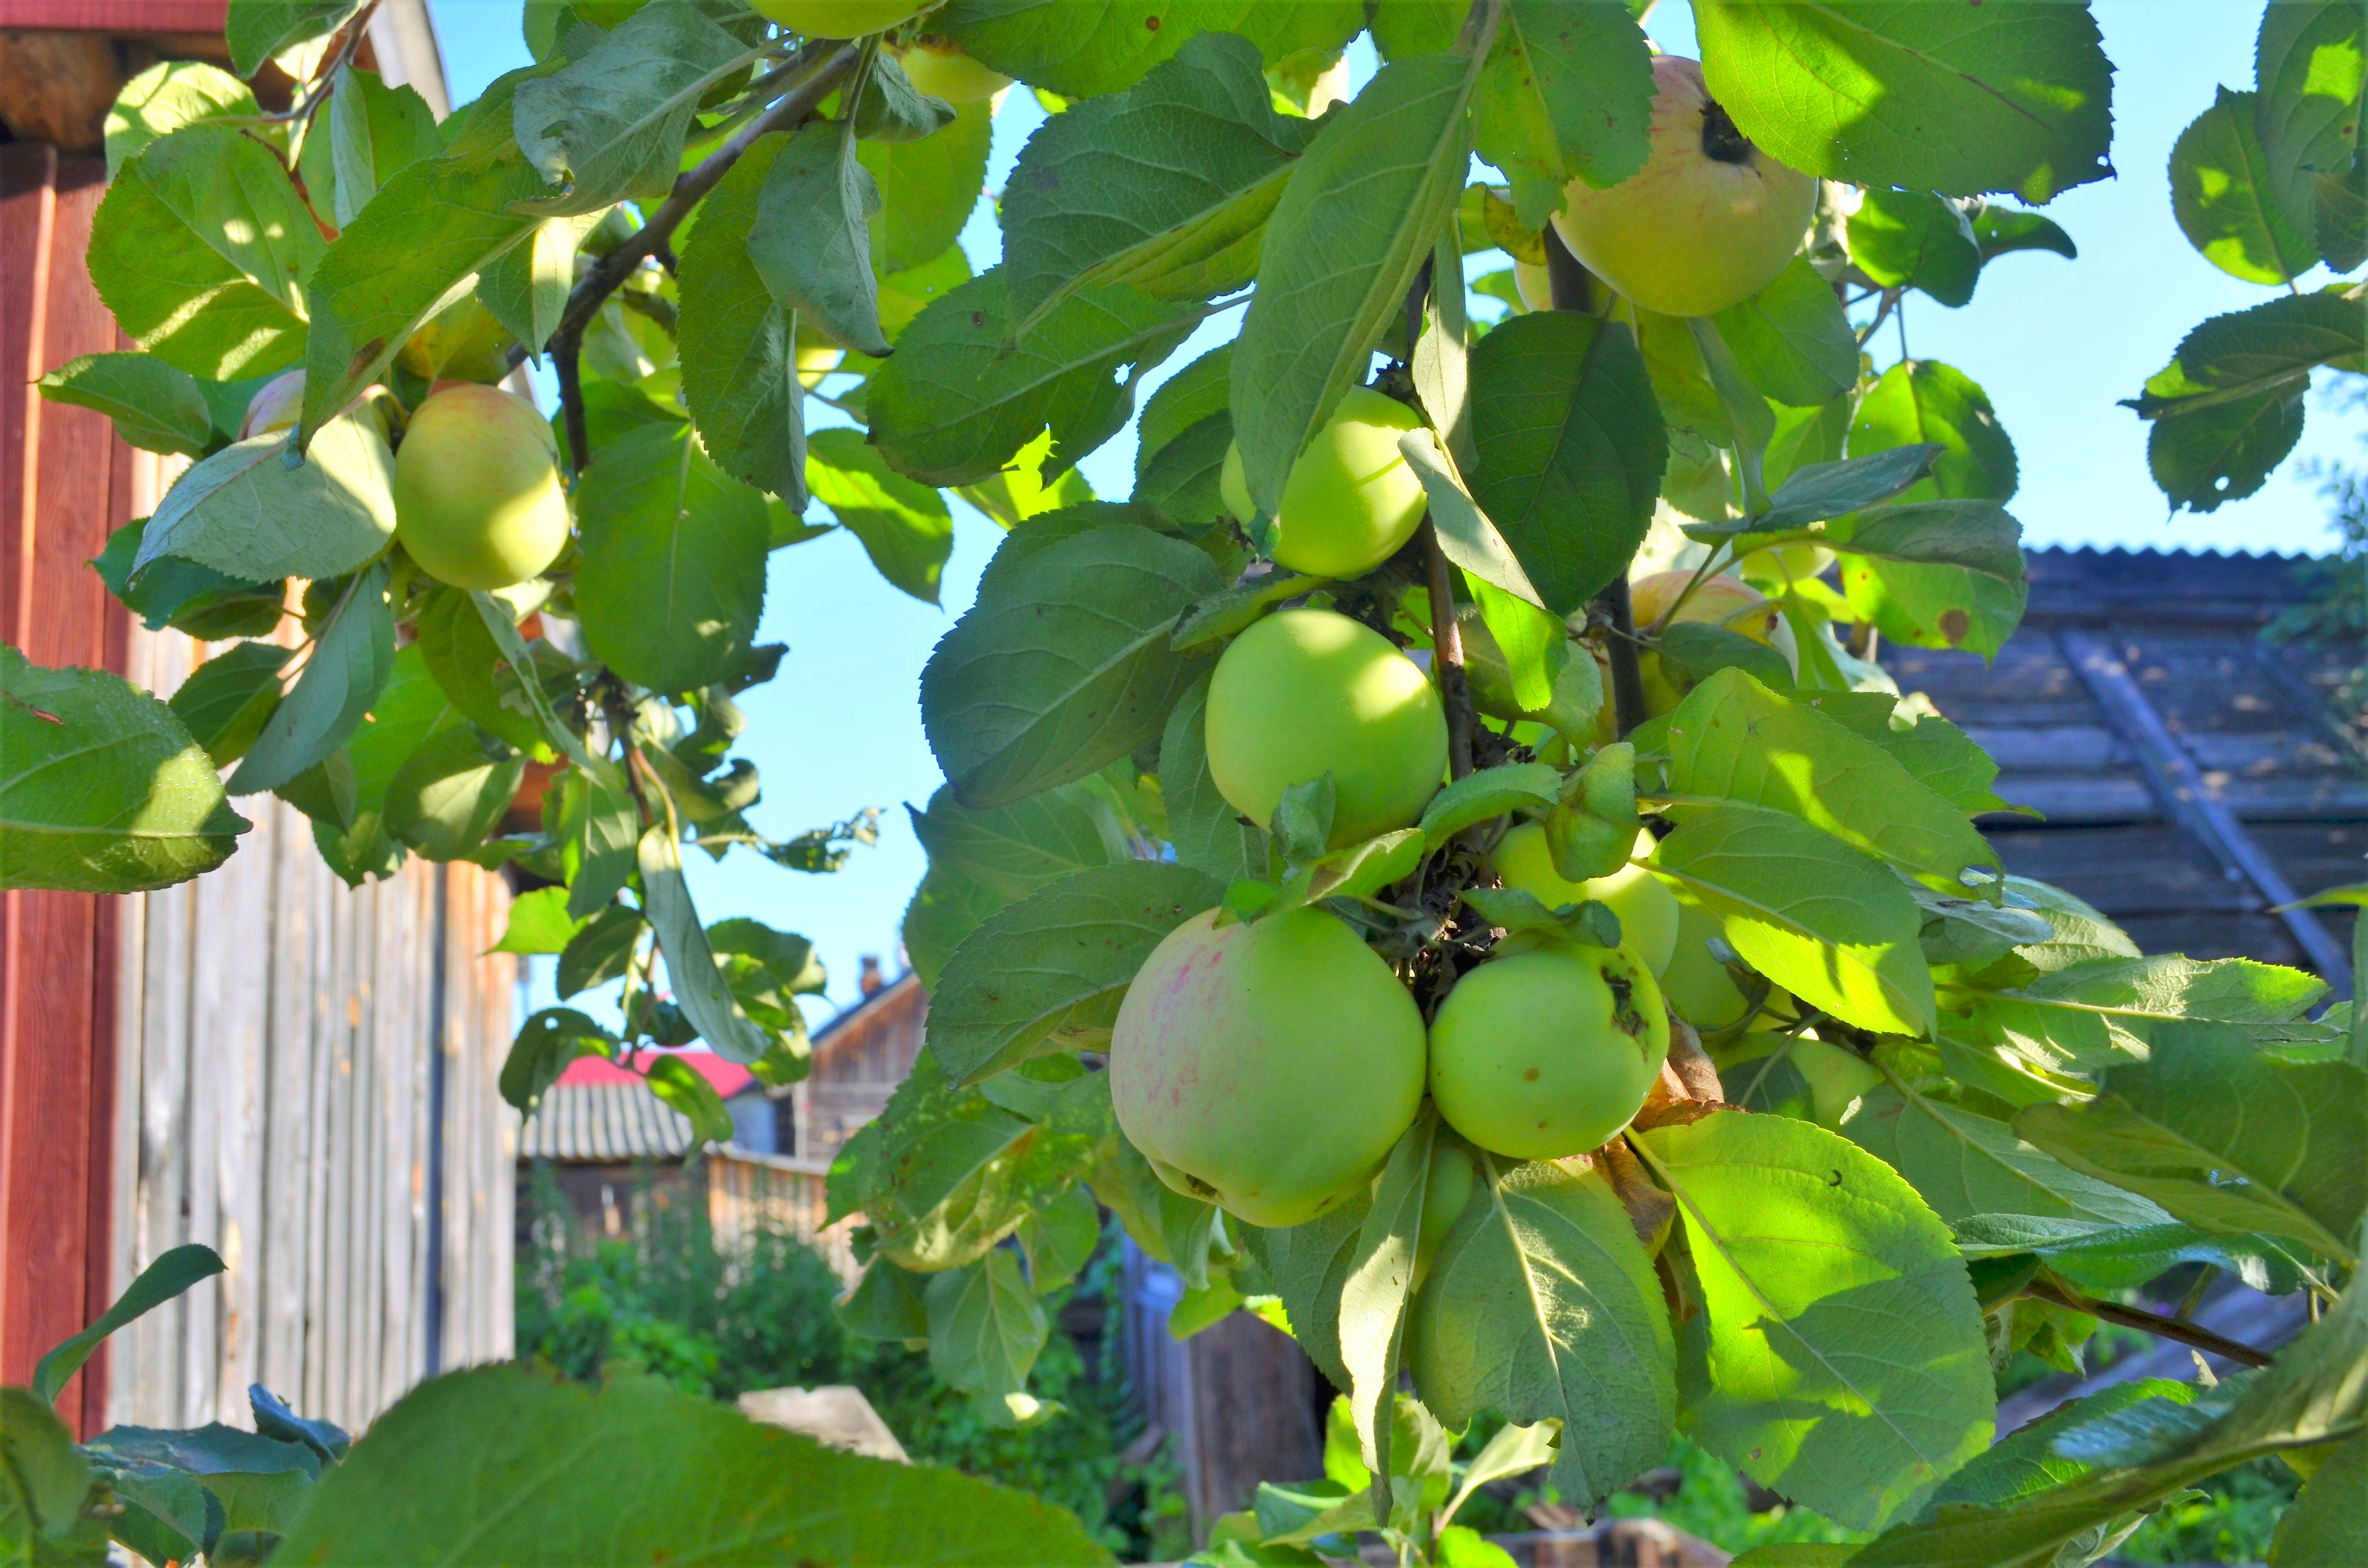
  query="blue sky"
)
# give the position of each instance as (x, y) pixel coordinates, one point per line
(2055, 343)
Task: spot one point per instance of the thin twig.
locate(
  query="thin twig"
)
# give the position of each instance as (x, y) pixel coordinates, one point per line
(816, 71)
(2162, 1327)
(349, 42)
(1882, 313)
(1447, 654)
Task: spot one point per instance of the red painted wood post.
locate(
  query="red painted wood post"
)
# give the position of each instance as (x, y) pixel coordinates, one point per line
(65, 484)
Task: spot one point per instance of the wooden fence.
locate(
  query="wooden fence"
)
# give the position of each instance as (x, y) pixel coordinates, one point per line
(748, 1193)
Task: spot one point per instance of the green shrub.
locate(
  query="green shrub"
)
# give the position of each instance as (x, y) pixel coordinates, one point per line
(663, 1298)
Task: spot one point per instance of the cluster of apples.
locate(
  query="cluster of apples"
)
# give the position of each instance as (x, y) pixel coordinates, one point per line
(1270, 1066)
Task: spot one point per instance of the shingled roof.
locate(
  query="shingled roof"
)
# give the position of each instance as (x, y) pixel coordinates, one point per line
(2192, 775)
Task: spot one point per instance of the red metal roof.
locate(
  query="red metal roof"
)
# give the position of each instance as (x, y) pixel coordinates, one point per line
(729, 1077)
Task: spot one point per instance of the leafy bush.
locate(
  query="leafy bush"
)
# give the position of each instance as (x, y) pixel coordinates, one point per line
(665, 1299)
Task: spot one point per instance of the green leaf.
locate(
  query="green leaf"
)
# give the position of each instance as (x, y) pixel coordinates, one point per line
(1080, 50)
(1920, 401)
(1195, 391)
(226, 700)
(473, 1450)
(1357, 220)
(1946, 759)
(156, 407)
(1831, 925)
(1062, 664)
(1733, 739)
(673, 577)
(1566, 94)
(699, 990)
(2311, 64)
(1967, 1166)
(546, 1043)
(205, 254)
(262, 1482)
(431, 228)
(686, 1090)
(1185, 478)
(44, 1487)
(1047, 973)
(369, 133)
(985, 1328)
(927, 190)
(352, 655)
(946, 907)
(2327, 1528)
(1307, 1264)
(2220, 192)
(905, 527)
(1467, 536)
(245, 512)
(2225, 1136)
(738, 344)
(810, 241)
(892, 109)
(599, 951)
(1542, 1305)
(166, 96)
(1980, 537)
(956, 404)
(468, 666)
(611, 124)
(2101, 1012)
(2002, 229)
(1100, 197)
(1935, 607)
(1700, 650)
(1489, 793)
(1571, 449)
(174, 1271)
(2124, 1257)
(1800, 1239)
(1913, 239)
(166, 1516)
(1375, 1296)
(539, 923)
(1792, 339)
(944, 1173)
(452, 791)
(257, 30)
(1016, 849)
(526, 288)
(1849, 89)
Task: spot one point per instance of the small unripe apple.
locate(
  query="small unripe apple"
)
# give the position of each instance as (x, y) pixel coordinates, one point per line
(1647, 911)
(837, 18)
(944, 69)
(1721, 600)
(1350, 501)
(477, 502)
(1307, 692)
(1268, 1068)
(275, 405)
(1548, 1052)
(1697, 985)
(1707, 222)
(1837, 1078)
(1533, 284)
(463, 341)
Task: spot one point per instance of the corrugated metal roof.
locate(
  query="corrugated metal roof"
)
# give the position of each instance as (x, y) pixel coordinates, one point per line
(604, 1121)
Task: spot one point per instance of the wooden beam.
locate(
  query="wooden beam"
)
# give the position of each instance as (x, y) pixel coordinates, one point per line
(2179, 783)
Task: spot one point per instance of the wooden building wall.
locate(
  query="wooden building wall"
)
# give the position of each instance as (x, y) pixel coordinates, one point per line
(858, 1059)
(296, 1073)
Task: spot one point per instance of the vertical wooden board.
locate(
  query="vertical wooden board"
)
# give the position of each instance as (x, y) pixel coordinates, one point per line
(330, 932)
(286, 1159)
(163, 1135)
(125, 1367)
(1253, 1414)
(240, 951)
(335, 1328)
(28, 204)
(219, 954)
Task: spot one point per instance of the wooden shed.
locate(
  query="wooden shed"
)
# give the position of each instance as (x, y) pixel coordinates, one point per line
(299, 1075)
(2192, 775)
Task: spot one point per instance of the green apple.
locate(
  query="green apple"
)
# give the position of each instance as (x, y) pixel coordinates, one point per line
(463, 341)
(1548, 1052)
(944, 69)
(1697, 986)
(477, 502)
(1707, 222)
(1780, 566)
(1647, 911)
(1350, 501)
(1720, 600)
(1307, 692)
(1533, 283)
(837, 18)
(1837, 1078)
(1268, 1068)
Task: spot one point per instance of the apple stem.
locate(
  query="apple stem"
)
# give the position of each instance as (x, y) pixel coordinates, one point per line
(1447, 654)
